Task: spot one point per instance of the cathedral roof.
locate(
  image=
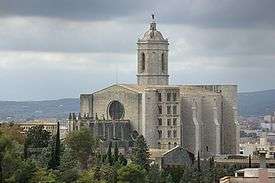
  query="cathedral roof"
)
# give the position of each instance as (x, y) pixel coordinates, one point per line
(193, 89)
(184, 89)
(141, 88)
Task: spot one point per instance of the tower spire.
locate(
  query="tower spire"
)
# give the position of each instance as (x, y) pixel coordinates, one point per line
(153, 25)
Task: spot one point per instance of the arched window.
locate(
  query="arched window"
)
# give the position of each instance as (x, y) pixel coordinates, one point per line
(159, 121)
(169, 145)
(175, 144)
(142, 62)
(160, 134)
(162, 62)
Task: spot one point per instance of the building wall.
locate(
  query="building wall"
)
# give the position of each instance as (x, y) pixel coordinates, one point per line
(153, 73)
(86, 101)
(130, 100)
(171, 123)
(211, 125)
(230, 127)
(149, 117)
(191, 122)
(231, 131)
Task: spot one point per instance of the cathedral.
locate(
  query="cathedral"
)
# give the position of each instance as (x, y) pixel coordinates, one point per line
(199, 118)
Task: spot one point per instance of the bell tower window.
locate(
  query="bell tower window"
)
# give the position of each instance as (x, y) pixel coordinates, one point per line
(162, 62)
(142, 62)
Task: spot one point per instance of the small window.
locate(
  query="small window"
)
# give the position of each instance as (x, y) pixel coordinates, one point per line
(160, 109)
(142, 61)
(169, 145)
(168, 122)
(159, 97)
(174, 109)
(175, 96)
(168, 109)
(175, 133)
(160, 121)
(162, 62)
(169, 134)
(168, 96)
(175, 121)
(159, 145)
(160, 134)
(175, 144)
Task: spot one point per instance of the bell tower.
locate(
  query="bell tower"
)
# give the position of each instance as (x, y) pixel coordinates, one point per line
(152, 56)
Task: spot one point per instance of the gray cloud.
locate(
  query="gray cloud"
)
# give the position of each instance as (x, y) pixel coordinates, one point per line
(67, 47)
(208, 13)
(71, 9)
(40, 34)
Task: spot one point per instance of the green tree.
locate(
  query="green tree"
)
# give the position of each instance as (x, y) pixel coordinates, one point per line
(116, 153)
(37, 137)
(25, 171)
(108, 174)
(42, 156)
(122, 160)
(154, 174)
(82, 145)
(43, 175)
(5, 144)
(54, 163)
(68, 160)
(131, 173)
(140, 153)
(199, 162)
(69, 176)
(169, 179)
(109, 154)
(25, 150)
(13, 168)
(13, 131)
(86, 177)
(69, 166)
(249, 162)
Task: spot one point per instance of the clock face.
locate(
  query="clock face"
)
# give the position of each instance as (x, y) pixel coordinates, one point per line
(116, 110)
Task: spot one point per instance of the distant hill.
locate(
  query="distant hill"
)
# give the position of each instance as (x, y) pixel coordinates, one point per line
(257, 103)
(250, 104)
(59, 109)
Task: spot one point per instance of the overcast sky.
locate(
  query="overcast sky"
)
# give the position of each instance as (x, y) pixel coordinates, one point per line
(53, 49)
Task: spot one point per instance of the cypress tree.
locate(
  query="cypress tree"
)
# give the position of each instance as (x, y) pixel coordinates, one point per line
(55, 156)
(109, 154)
(57, 146)
(115, 153)
(211, 163)
(212, 168)
(249, 162)
(25, 150)
(199, 162)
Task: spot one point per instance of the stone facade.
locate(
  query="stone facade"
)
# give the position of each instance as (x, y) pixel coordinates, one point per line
(152, 54)
(200, 118)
